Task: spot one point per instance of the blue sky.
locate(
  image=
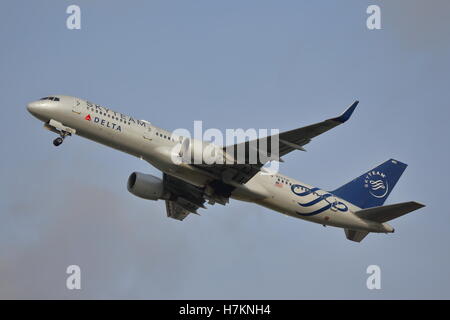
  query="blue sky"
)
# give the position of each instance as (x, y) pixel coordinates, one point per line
(231, 64)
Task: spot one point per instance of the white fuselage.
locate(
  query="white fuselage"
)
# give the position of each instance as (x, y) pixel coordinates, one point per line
(156, 145)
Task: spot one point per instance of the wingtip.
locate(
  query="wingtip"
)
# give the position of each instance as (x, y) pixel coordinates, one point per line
(419, 205)
(347, 113)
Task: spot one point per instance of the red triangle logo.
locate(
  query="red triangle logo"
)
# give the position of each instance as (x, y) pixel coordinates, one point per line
(88, 117)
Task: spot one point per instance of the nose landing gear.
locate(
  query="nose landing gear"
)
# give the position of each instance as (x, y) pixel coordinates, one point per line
(58, 141)
(60, 129)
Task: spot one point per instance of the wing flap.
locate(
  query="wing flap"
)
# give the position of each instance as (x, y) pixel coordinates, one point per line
(185, 198)
(176, 211)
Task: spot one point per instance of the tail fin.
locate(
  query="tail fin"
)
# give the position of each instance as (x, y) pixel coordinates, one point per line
(373, 187)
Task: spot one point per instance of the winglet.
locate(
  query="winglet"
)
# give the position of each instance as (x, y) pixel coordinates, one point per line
(347, 113)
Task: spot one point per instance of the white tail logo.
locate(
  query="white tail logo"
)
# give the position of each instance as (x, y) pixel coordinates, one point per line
(378, 184)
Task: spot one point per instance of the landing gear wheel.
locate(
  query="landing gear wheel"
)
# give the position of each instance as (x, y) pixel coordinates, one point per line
(57, 141)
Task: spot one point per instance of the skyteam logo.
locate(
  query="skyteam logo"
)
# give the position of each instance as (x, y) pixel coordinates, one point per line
(320, 203)
(377, 184)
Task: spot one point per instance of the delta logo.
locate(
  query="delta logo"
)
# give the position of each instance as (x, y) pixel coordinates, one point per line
(104, 123)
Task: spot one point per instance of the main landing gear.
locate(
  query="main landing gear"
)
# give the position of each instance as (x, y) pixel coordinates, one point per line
(60, 139)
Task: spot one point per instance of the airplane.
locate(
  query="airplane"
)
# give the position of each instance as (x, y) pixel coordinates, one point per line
(357, 206)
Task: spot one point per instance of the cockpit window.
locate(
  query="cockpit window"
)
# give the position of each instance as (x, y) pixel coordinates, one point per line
(50, 98)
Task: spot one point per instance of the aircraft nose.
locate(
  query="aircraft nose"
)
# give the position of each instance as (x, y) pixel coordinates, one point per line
(38, 108)
(33, 107)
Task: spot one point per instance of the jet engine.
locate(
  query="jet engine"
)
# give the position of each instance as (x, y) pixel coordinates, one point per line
(146, 186)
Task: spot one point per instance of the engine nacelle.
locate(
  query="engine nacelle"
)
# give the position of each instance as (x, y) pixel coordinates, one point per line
(145, 186)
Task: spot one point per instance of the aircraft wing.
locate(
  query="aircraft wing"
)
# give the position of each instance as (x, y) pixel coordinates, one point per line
(185, 197)
(288, 141)
(297, 138)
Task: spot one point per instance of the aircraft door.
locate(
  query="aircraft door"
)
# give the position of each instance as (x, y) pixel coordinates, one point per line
(76, 108)
(148, 134)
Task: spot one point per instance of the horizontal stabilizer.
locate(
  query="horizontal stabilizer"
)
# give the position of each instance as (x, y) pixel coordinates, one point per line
(389, 212)
(356, 236)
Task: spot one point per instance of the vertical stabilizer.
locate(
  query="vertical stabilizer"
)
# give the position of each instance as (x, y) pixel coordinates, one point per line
(372, 188)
